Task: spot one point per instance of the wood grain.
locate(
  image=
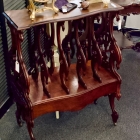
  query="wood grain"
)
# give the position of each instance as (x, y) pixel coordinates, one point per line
(24, 22)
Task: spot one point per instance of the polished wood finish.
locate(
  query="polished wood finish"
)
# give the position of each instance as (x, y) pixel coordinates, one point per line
(78, 96)
(69, 87)
(23, 21)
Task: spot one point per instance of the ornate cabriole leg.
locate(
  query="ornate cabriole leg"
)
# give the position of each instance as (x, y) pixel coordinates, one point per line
(20, 81)
(114, 115)
(19, 115)
(81, 60)
(29, 126)
(96, 56)
(64, 70)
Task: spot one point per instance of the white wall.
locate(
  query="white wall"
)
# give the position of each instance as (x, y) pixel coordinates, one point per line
(133, 21)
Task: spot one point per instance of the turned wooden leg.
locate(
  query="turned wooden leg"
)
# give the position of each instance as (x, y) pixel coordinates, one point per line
(114, 115)
(18, 116)
(29, 126)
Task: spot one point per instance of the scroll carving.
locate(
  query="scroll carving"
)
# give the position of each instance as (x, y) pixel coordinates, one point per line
(20, 80)
(110, 50)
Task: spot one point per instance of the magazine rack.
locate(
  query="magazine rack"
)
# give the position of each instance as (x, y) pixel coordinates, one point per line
(69, 87)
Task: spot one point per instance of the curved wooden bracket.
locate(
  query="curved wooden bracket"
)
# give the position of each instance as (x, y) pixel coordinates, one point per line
(42, 62)
(64, 69)
(96, 52)
(115, 50)
(81, 60)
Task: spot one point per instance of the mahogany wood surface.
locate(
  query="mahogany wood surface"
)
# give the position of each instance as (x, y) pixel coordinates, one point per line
(77, 99)
(23, 21)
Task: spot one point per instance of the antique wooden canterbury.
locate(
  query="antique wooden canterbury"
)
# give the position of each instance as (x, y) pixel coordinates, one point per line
(70, 86)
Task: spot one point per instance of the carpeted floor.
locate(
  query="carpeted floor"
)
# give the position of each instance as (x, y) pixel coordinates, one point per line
(93, 122)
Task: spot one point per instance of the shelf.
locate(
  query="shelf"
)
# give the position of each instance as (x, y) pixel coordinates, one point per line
(78, 97)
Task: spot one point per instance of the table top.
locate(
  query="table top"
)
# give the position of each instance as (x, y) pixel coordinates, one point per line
(20, 18)
(126, 2)
(130, 6)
